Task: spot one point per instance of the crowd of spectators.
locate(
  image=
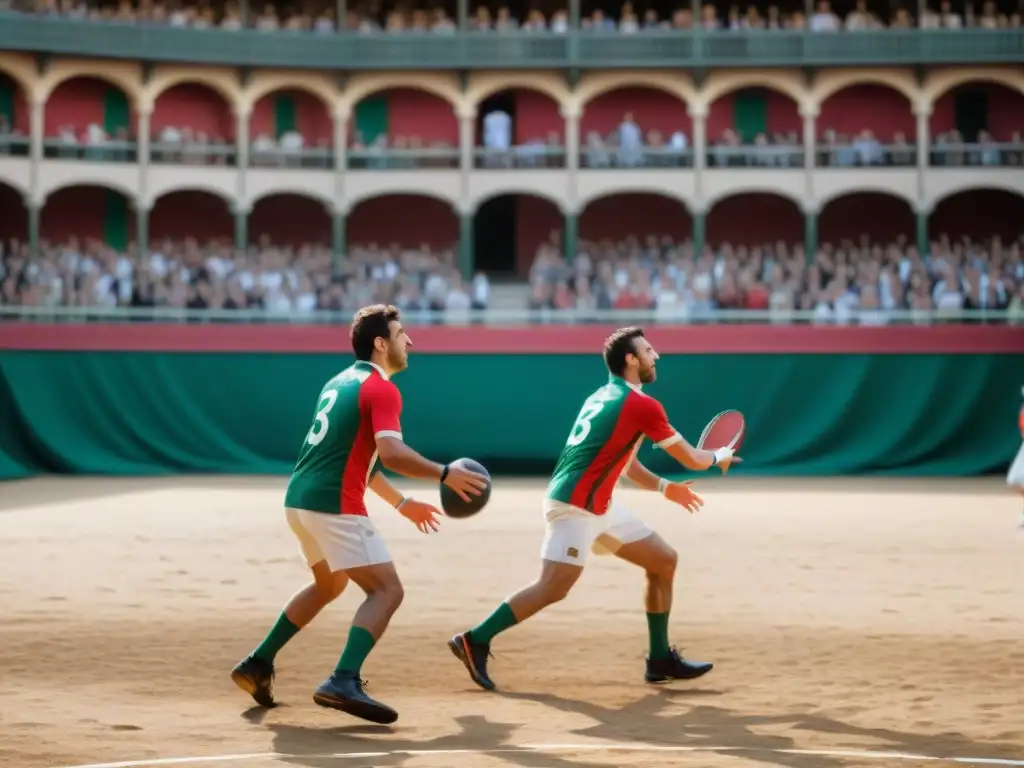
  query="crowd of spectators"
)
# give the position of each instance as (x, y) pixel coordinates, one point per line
(364, 17)
(860, 281)
(188, 275)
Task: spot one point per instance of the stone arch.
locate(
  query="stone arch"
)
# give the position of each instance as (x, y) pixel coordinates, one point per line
(361, 86)
(85, 179)
(216, 80)
(753, 186)
(509, 225)
(14, 218)
(127, 77)
(635, 212)
(517, 190)
(291, 217)
(357, 198)
(769, 215)
(488, 83)
(635, 189)
(871, 190)
(940, 82)
(173, 187)
(21, 72)
(972, 185)
(297, 191)
(81, 208)
(836, 80)
(312, 83)
(426, 218)
(174, 215)
(884, 215)
(593, 85)
(19, 186)
(990, 209)
(721, 83)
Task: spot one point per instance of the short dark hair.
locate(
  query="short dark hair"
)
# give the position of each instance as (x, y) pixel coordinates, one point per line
(620, 344)
(368, 325)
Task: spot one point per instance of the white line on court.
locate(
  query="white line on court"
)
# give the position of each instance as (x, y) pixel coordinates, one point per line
(609, 747)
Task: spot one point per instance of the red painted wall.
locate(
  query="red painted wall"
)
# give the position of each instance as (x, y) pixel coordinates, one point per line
(22, 117)
(290, 220)
(75, 211)
(537, 115)
(1005, 110)
(979, 214)
(13, 216)
(882, 217)
(194, 106)
(754, 219)
(76, 102)
(421, 114)
(200, 215)
(408, 220)
(882, 110)
(536, 219)
(618, 217)
(313, 118)
(783, 114)
(652, 110)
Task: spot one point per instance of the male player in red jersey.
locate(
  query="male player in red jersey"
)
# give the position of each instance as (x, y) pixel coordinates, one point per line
(580, 516)
(356, 423)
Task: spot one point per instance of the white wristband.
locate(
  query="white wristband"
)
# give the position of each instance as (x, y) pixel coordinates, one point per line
(399, 504)
(662, 485)
(722, 453)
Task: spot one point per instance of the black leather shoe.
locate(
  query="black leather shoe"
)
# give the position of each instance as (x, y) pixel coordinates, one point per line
(344, 691)
(256, 677)
(474, 656)
(675, 667)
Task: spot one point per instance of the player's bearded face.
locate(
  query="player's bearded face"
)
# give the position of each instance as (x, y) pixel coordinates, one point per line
(646, 369)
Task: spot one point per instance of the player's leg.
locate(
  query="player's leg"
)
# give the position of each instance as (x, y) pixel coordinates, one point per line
(632, 540)
(354, 546)
(255, 673)
(563, 555)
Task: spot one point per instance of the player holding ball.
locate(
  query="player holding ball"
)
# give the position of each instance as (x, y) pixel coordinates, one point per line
(580, 516)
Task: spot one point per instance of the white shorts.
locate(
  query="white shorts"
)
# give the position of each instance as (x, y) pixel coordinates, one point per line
(344, 541)
(1016, 474)
(573, 532)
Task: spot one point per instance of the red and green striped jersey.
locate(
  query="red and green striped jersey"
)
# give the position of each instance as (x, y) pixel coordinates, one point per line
(339, 454)
(609, 429)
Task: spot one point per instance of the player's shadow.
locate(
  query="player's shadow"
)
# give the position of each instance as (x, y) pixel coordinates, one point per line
(658, 720)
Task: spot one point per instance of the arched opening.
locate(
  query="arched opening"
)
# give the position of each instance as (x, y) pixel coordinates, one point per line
(190, 213)
(14, 118)
(519, 128)
(866, 124)
(291, 129)
(510, 230)
(867, 218)
(754, 219)
(88, 211)
(979, 215)
(632, 219)
(87, 118)
(290, 219)
(192, 124)
(635, 127)
(978, 123)
(403, 128)
(755, 128)
(13, 216)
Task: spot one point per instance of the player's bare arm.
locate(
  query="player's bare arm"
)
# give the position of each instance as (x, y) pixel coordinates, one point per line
(679, 493)
(422, 515)
(399, 457)
(698, 458)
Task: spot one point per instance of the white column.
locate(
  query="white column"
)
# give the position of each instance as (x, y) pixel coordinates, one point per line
(242, 115)
(572, 113)
(142, 156)
(699, 114)
(341, 117)
(467, 144)
(923, 112)
(36, 134)
(810, 116)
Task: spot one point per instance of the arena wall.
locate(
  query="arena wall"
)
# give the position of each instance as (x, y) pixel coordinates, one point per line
(165, 399)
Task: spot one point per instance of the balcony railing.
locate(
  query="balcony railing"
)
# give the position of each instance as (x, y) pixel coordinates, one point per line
(516, 50)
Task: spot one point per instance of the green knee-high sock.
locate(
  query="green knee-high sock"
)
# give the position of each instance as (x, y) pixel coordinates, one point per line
(499, 621)
(360, 643)
(657, 630)
(278, 637)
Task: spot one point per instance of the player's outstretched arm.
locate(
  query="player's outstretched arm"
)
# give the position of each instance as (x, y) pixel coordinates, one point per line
(423, 516)
(653, 422)
(679, 493)
(698, 458)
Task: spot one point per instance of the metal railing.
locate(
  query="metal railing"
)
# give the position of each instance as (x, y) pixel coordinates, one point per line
(513, 317)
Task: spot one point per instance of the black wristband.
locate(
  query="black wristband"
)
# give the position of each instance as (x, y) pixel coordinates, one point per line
(714, 458)
(444, 473)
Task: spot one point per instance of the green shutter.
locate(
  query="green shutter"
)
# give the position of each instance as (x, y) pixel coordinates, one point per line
(750, 113)
(970, 108)
(285, 115)
(116, 114)
(115, 220)
(7, 101)
(372, 118)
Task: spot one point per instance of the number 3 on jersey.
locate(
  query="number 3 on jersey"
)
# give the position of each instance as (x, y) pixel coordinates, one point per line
(318, 431)
(591, 408)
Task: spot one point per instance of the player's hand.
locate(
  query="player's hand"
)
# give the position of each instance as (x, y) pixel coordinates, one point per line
(423, 516)
(683, 495)
(726, 458)
(465, 483)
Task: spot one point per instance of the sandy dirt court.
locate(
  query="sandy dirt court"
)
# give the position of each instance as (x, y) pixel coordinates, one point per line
(846, 618)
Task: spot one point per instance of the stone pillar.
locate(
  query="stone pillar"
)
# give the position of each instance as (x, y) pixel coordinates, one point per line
(570, 235)
(142, 226)
(242, 114)
(572, 114)
(699, 114)
(923, 241)
(34, 209)
(339, 235)
(810, 234)
(923, 113)
(467, 257)
(36, 133)
(241, 214)
(699, 222)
